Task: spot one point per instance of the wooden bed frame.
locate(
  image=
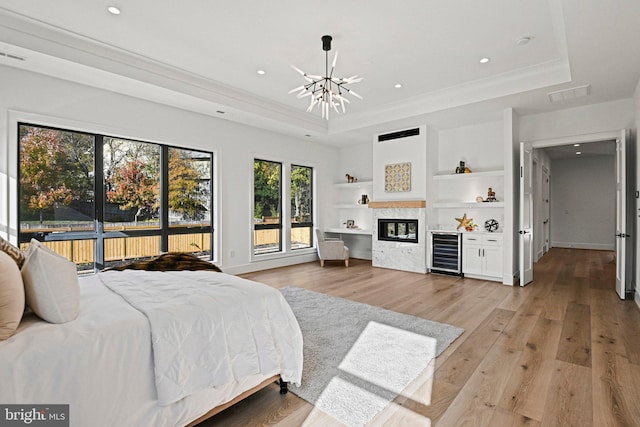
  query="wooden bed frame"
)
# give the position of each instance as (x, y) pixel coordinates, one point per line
(276, 378)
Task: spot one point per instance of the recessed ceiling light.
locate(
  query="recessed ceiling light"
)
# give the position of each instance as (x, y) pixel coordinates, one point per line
(484, 60)
(576, 145)
(578, 152)
(113, 10)
(262, 72)
(220, 112)
(523, 40)
(398, 85)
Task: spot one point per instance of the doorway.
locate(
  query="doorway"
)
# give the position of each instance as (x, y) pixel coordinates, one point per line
(536, 226)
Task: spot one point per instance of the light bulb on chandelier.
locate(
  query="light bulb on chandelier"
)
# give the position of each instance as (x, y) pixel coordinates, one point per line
(326, 92)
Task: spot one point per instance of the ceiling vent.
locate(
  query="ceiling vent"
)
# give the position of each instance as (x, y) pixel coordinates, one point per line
(566, 94)
(11, 56)
(399, 134)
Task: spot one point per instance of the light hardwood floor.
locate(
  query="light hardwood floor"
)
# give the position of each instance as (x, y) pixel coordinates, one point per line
(563, 351)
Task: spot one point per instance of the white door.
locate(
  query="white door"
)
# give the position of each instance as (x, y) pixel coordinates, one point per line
(622, 235)
(546, 210)
(526, 214)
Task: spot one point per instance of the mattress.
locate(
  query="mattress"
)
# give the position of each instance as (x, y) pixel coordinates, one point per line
(102, 363)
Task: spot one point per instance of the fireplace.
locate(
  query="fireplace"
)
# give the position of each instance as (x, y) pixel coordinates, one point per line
(398, 230)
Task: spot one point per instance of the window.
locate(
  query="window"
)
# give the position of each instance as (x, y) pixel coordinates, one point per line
(301, 207)
(267, 190)
(101, 201)
(269, 228)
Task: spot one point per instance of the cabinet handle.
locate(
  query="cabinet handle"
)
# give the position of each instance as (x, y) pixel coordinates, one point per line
(491, 240)
(483, 252)
(479, 252)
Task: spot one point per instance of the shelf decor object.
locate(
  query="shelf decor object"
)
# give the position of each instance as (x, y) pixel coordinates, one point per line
(397, 177)
(326, 92)
(491, 225)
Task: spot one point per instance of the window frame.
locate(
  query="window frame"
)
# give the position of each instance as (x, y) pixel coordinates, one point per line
(306, 224)
(285, 205)
(98, 234)
(279, 226)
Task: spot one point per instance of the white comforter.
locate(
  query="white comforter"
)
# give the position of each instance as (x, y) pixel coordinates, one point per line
(102, 363)
(209, 329)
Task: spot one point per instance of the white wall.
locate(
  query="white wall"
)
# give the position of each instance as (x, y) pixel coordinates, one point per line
(480, 146)
(634, 138)
(583, 203)
(412, 149)
(44, 100)
(356, 160)
(593, 118)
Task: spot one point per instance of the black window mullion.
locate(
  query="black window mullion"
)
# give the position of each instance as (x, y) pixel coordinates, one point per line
(99, 198)
(211, 202)
(99, 235)
(164, 199)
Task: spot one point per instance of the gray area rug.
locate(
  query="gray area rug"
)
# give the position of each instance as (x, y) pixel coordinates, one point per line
(358, 358)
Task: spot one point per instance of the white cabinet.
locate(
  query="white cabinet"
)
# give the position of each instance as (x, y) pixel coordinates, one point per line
(482, 255)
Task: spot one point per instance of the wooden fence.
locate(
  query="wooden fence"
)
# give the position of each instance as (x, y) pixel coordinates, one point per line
(120, 249)
(271, 237)
(124, 248)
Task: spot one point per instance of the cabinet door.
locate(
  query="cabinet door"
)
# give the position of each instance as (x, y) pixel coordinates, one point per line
(471, 259)
(492, 261)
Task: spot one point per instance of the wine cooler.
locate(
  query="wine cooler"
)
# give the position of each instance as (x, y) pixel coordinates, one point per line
(446, 253)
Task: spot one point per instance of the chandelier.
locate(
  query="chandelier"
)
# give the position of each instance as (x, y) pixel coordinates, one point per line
(326, 92)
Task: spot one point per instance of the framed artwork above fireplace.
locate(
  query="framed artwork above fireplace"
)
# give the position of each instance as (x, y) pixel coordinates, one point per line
(397, 177)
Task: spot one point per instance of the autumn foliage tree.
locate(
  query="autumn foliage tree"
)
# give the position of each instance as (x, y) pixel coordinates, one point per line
(134, 186)
(55, 169)
(186, 195)
(133, 183)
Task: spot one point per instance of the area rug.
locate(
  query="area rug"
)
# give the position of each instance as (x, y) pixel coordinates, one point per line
(358, 358)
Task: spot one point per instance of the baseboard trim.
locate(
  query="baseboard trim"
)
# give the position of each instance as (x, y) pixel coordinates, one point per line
(637, 298)
(593, 246)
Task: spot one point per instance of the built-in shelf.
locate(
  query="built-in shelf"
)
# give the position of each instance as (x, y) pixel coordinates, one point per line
(470, 205)
(350, 206)
(398, 204)
(349, 231)
(357, 184)
(469, 175)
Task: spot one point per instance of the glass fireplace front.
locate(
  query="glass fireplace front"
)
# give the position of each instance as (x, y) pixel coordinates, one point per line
(398, 230)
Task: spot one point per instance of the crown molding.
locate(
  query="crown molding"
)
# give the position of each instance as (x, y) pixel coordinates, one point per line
(60, 53)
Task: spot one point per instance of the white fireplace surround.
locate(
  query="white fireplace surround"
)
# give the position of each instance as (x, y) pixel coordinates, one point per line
(400, 255)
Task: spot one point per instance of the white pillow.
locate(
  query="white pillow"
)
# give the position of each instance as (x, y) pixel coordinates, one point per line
(11, 296)
(50, 284)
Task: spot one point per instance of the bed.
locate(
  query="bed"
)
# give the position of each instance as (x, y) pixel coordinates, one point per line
(154, 348)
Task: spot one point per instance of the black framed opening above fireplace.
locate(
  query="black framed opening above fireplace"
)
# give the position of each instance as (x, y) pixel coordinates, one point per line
(398, 230)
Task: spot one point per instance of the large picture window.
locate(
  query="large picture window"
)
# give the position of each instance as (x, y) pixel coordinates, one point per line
(267, 206)
(102, 201)
(268, 194)
(301, 207)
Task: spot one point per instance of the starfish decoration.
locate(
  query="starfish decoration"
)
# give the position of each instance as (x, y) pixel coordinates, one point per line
(464, 222)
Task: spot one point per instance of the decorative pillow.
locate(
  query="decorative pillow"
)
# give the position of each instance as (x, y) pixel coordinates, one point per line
(50, 284)
(11, 296)
(15, 253)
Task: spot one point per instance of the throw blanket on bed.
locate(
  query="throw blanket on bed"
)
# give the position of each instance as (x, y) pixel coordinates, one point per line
(172, 261)
(209, 329)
